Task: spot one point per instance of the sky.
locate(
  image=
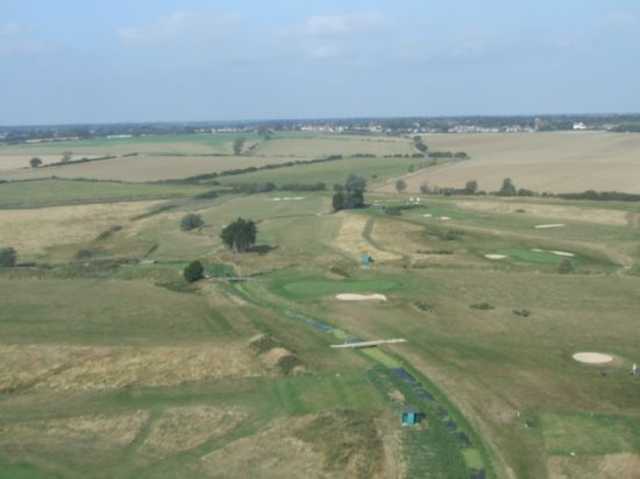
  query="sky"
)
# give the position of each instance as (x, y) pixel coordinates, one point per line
(85, 61)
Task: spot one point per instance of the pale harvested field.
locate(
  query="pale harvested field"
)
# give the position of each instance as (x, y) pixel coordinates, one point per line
(104, 147)
(145, 168)
(336, 145)
(571, 213)
(32, 231)
(21, 161)
(92, 368)
(350, 239)
(553, 162)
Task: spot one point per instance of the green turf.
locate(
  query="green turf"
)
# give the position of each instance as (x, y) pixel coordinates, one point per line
(40, 193)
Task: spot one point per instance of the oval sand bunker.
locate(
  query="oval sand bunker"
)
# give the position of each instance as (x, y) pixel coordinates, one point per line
(593, 358)
(361, 297)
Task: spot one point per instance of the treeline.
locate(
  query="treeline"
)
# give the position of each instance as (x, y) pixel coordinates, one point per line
(253, 188)
(251, 169)
(509, 189)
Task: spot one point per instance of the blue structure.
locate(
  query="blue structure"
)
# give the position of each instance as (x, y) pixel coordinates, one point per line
(367, 260)
(411, 417)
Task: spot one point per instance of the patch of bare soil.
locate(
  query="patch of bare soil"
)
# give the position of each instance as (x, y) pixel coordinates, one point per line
(97, 368)
(184, 428)
(610, 466)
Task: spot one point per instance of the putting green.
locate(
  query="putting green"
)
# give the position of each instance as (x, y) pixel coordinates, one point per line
(321, 287)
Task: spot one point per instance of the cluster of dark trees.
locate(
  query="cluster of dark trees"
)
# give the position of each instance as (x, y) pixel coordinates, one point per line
(239, 236)
(351, 194)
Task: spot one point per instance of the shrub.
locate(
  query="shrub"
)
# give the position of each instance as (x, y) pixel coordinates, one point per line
(35, 162)
(191, 222)
(207, 195)
(193, 272)
(401, 185)
(338, 201)
(425, 189)
(482, 306)
(566, 266)
(523, 313)
(8, 257)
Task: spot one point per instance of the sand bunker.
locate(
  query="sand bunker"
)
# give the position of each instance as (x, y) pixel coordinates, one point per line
(544, 227)
(495, 256)
(445, 218)
(428, 215)
(563, 253)
(361, 297)
(593, 358)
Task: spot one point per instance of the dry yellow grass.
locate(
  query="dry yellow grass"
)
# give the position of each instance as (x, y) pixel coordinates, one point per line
(32, 231)
(351, 241)
(184, 428)
(274, 453)
(103, 432)
(71, 368)
(554, 162)
(611, 466)
(570, 213)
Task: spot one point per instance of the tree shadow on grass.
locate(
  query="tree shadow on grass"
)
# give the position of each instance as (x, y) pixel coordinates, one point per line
(262, 249)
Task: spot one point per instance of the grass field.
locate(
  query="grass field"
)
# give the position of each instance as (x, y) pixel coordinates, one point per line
(554, 162)
(112, 366)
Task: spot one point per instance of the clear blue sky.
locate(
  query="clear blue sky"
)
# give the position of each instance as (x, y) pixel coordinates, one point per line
(69, 61)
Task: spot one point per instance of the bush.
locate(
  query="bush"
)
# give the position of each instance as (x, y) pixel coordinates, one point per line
(35, 162)
(566, 266)
(193, 272)
(401, 185)
(191, 222)
(523, 313)
(482, 306)
(338, 201)
(207, 195)
(8, 257)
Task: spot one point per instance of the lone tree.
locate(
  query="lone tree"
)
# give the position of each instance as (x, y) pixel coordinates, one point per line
(425, 189)
(508, 188)
(338, 201)
(401, 185)
(238, 145)
(8, 257)
(471, 188)
(240, 235)
(35, 162)
(193, 272)
(191, 222)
